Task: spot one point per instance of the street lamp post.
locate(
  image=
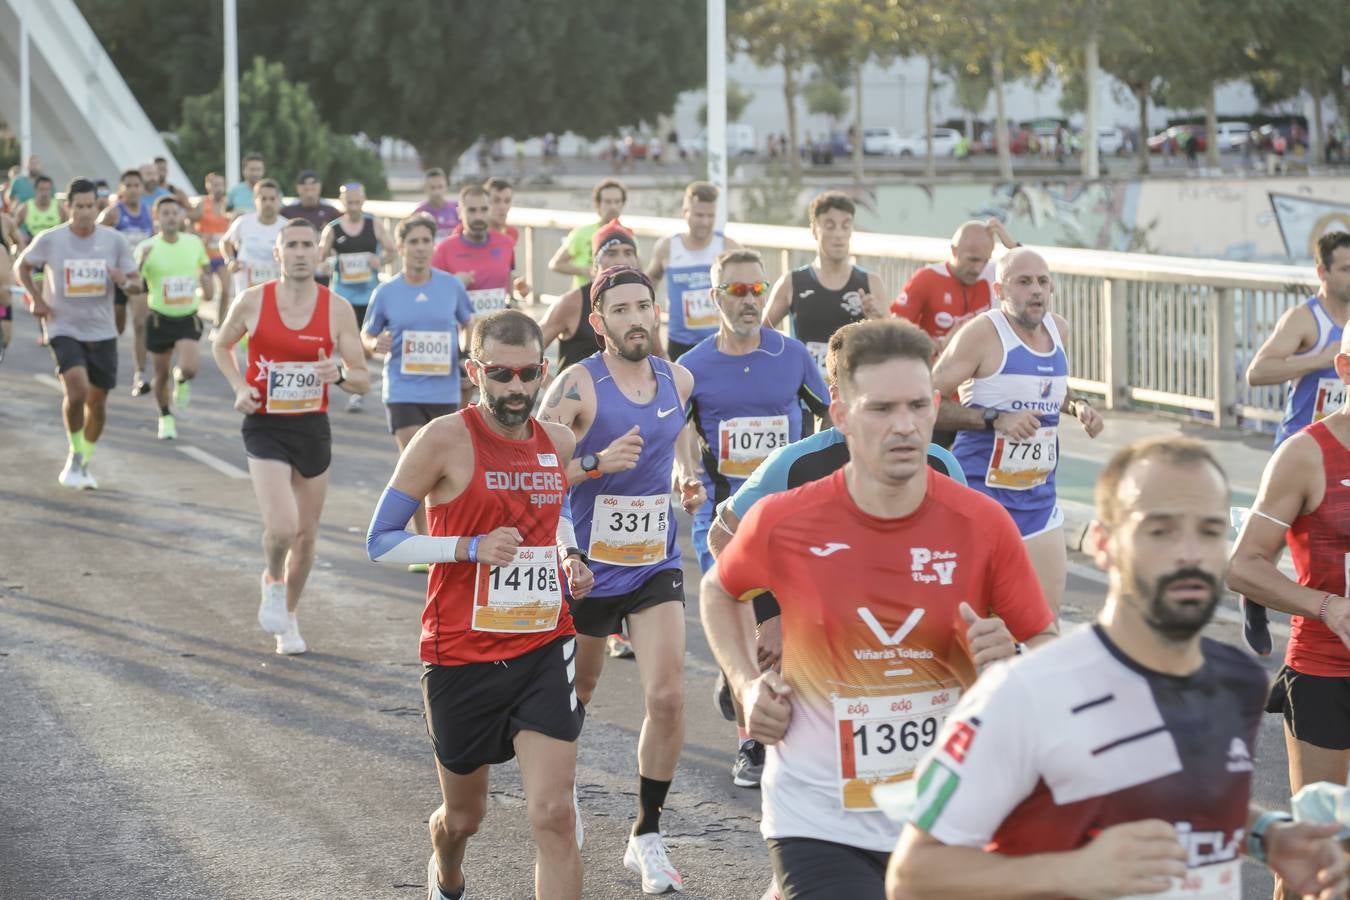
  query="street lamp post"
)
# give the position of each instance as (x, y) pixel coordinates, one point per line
(231, 93)
(717, 104)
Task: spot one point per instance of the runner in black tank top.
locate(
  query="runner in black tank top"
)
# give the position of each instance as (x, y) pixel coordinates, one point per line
(815, 312)
(583, 341)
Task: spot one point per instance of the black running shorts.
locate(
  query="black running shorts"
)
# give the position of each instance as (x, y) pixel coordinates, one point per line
(304, 441)
(603, 616)
(475, 711)
(163, 332)
(1315, 707)
(97, 358)
(808, 869)
(406, 415)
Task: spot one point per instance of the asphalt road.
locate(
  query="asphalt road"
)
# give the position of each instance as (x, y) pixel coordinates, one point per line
(153, 746)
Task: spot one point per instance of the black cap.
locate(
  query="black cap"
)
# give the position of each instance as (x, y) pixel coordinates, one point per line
(306, 175)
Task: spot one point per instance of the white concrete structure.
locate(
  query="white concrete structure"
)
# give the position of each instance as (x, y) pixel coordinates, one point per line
(85, 120)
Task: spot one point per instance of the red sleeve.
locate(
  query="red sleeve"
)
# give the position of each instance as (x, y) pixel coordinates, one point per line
(1014, 591)
(438, 257)
(911, 302)
(742, 568)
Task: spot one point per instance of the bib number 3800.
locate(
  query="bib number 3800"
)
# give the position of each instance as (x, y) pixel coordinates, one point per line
(882, 739)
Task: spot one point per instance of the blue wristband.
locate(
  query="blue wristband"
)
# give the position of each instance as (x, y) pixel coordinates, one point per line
(473, 548)
(1256, 838)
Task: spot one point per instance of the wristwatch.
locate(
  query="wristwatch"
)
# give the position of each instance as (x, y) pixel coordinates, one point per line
(342, 376)
(1256, 838)
(990, 417)
(576, 551)
(590, 464)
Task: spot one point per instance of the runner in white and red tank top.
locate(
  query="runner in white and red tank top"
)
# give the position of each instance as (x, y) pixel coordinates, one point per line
(300, 344)
(1305, 500)
(498, 642)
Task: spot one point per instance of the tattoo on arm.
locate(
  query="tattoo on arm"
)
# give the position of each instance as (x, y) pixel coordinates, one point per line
(554, 399)
(573, 393)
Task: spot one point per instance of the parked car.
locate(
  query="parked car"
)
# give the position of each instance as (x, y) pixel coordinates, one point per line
(944, 143)
(1233, 136)
(881, 142)
(1112, 141)
(740, 141)
(1019, 140)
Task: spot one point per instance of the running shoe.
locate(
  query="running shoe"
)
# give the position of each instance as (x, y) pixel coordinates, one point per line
(576, 810)
(289, 642)
(355, 403)
(72, 476)
(619, 647)
(182, 394)
(168, 430)
(1256, 627)
(722, 697)
(87, 481)
(140, 387)
(646, 855)
(272, 615)
(434, 891)
(748, 769)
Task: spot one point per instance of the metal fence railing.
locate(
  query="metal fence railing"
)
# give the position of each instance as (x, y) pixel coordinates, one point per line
(1166, 333)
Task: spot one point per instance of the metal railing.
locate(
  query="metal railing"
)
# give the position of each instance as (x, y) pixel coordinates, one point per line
(1165, 333)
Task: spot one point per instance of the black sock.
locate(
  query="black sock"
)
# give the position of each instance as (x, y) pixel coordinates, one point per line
(451, 895)
(651, 798)
(164, 410)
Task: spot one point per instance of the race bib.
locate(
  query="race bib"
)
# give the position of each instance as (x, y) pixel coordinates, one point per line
(1330, 397)
(699, 309)
(261, 271)
(1221, 881)
(293, 387)
(212, 243)
(86, 278)
(426, 353)
(179, 290)
(882, 739)
(488, 300)
(818, 349)
(629, 531)
(354, 268)
(521, 598)
(1022, 465)
(745, 442)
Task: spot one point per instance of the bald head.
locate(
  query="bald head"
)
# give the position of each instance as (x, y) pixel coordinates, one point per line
(972, 245)
(1024, 286)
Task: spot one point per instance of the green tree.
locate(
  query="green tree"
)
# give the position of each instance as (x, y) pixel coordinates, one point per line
(278, 119)
(777, 34)
(1303, 54)
(824, 97)
(738, 98)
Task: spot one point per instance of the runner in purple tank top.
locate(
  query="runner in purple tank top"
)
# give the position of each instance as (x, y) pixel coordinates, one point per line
(627, 409)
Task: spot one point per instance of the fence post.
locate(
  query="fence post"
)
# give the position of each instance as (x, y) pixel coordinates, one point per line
(1115, 344)
(1223, 353)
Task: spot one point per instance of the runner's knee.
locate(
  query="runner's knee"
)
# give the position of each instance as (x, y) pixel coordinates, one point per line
(456, 824)
(553, 815)
(665, 701)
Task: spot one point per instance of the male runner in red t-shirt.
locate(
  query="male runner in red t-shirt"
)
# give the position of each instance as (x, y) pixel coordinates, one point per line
(896, 587)
(1305, 500)
(498, 642)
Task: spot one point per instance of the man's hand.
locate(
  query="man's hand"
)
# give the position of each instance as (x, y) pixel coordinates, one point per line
(375, 262)
(769, 643)
(622, 454)
(1124, 860)
(498, 547)
(1020, 425)
(247, 399)
(465, 278)
(40, 309)
(385, 342)
(692, 493)
(1000, 231)
(580, 579)
(767, 703)
(1338, 618)
(873, 307)
(1307, 858)
(325, 368)
(1090, 419)
(989, 638)
(235, 265)
(522, 287)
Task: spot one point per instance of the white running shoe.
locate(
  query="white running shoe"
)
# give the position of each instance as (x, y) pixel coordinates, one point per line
(289, 642)
(272, 615)
(72, 476)
(87, 482)
(646, 855)
(355, 403)
(434, 891)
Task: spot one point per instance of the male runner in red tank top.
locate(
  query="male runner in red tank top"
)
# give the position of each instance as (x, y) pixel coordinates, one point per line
(1305, 499)
(296, 334)
(498, 643)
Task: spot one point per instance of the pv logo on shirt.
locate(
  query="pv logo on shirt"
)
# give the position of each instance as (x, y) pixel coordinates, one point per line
(929, 566)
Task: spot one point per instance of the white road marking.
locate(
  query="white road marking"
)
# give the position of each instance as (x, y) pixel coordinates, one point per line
(215, 462)
(49, 380)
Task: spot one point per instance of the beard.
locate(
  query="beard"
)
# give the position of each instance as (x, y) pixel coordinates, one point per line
(635, 354)
(505, 416)
(1172, 622)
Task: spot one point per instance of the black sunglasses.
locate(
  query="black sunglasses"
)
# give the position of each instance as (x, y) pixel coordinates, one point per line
(504, 374)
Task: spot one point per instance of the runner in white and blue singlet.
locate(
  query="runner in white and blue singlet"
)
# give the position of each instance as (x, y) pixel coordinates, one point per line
(685, 260)
(1011, 367)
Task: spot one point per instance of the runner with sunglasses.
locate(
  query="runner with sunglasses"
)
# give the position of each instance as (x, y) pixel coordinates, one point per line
(626, 408)
(684, 260)
(498, 643)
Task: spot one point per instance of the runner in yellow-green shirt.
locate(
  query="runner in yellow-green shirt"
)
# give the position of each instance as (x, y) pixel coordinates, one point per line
(574, 256)
(174, 265)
